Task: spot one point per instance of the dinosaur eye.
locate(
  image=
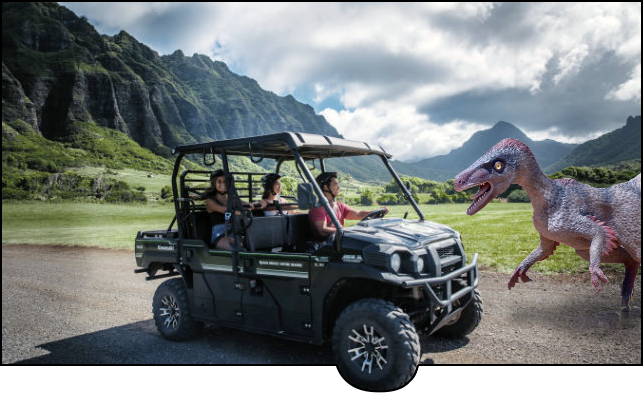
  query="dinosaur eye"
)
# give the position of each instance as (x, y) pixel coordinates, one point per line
(499, 166)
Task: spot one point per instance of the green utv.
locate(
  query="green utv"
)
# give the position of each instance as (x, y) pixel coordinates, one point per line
(370, 290)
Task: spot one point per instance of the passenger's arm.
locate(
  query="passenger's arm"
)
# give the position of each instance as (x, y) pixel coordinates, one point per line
(211, 206)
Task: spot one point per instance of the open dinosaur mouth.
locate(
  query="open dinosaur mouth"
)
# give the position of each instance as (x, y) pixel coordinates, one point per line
(481, 199)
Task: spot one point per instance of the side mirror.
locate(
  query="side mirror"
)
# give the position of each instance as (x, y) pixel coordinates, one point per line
(306, 198)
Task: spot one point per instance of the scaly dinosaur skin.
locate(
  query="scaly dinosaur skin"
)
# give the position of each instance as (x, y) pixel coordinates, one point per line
(601, 224)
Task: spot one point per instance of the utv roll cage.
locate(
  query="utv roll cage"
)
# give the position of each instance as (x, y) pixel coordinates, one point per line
(281, 147)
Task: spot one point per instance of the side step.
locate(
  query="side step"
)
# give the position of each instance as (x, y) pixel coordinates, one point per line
(153, 275)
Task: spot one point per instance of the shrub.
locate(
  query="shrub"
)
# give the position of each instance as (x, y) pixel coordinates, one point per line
(39, 164)
(366, 198)
(518, 196)
(120, 195)
(120, 191)
(166, 192)
(15, 193)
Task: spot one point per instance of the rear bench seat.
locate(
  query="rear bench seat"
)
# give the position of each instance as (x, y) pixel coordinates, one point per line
(290, 232)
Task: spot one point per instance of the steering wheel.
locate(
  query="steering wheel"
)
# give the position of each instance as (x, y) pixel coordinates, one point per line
(379, 213)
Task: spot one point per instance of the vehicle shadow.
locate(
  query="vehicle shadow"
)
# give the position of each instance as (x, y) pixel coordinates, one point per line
(140, 343)
(435, 344)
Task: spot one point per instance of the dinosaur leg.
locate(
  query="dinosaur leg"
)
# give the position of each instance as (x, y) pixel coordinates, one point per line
(631, 269)
(620, 255)
(543, 251)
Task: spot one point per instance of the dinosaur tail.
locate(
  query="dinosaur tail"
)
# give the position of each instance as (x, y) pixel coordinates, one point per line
(631, 186)
(636, 182)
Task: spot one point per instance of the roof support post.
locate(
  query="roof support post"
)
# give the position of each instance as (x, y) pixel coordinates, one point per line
(322, 199)
(405, 191)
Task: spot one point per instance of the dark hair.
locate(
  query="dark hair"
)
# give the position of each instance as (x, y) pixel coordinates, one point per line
(268, 182)
(325, 178)
(217, 173)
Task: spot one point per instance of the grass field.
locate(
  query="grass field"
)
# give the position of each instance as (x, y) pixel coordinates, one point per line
(152, 182)
(81, 224)
(502, 233)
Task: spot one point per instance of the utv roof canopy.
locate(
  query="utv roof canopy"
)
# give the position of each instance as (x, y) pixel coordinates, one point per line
(278, 146)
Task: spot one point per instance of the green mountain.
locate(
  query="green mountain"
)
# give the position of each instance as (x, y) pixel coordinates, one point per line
(614, 147)
(59, 72)
(449, 165)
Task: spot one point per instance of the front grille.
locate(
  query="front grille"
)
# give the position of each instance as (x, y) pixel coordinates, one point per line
(449, 255)
(447, 251)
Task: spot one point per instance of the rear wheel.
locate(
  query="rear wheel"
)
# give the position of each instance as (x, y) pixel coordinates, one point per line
(171, 309)
(375, 345)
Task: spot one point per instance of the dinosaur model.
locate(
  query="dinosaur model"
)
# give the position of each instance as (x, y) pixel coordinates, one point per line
(601, 224)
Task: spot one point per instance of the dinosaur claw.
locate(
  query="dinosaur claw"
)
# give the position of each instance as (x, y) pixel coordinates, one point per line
(597, 276)
(525, 278)
(518, 274)
(512, 281)
(625, 304)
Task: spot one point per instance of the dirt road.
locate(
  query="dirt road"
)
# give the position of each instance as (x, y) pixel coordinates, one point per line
(86, 306)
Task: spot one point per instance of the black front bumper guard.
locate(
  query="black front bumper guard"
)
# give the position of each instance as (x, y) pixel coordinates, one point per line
(471, 271)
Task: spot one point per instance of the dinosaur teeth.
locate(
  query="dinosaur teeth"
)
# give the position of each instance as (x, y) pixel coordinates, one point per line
(481, 196)
(484, 188)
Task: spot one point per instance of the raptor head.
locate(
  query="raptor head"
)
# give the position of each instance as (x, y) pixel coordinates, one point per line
(494, 172)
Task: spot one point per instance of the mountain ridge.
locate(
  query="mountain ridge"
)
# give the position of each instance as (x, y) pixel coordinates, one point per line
(622, 144)
(56, 65)
(446, 166)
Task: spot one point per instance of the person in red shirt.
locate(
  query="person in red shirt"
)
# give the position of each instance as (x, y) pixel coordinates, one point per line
(320, 220)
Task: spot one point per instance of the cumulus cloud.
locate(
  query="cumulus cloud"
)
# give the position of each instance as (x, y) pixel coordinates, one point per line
(629, 90)
(426, 72)
(400, 130)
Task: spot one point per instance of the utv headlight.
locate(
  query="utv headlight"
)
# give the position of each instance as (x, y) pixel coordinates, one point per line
(395, 262)
(412, 264)
(419, 264)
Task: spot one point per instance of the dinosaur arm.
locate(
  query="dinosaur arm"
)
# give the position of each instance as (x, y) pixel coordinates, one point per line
(593, 240)
(603, 241)
(544, 250)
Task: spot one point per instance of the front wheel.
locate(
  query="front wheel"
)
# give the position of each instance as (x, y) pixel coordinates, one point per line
(375, 345)
(468, 321)
(171, 309)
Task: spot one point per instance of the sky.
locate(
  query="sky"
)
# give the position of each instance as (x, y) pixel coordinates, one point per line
(416, 78)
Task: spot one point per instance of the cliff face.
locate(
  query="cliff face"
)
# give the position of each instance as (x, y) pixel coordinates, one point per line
(57, 70)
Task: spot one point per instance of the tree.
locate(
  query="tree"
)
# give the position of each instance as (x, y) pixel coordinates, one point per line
(367, 198)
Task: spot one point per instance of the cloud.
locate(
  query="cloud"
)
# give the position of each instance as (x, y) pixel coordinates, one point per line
(165, 27)
(436, 71)
(574, 105)
(419, 138)
(629, 90)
